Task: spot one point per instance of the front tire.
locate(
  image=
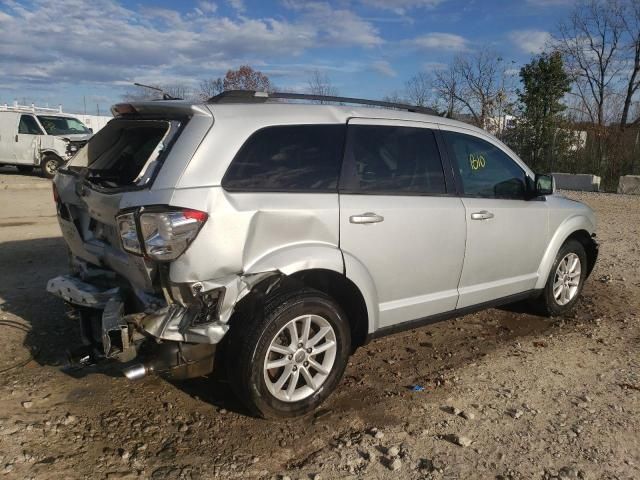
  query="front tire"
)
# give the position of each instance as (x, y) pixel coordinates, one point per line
(49, 165)
(287, 361)
(566, 279)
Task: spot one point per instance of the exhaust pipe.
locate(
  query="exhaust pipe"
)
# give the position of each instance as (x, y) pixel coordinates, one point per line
(136, 372)
(177, 361)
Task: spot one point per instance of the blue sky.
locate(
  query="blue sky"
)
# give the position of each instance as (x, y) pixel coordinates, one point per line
(64, 51)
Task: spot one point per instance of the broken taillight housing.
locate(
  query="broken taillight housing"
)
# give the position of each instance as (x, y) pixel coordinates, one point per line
(161, 236)
(129, 233)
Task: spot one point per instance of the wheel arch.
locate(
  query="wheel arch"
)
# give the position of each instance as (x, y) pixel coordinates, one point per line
(578, 227)
(48, 151)
(346, 294)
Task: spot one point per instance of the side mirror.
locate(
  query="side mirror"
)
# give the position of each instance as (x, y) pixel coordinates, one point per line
(545, 184)
(90, 130)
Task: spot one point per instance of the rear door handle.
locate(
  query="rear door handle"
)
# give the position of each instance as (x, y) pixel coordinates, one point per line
(368, 217)
(481, 215)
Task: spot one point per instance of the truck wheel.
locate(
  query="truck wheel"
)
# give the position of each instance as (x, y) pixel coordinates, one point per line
(566, 279)
(49, 165)
(24, 168)
(286, 361)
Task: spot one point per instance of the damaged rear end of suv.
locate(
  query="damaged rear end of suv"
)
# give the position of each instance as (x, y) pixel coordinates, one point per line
(115, 204)
(186, 252)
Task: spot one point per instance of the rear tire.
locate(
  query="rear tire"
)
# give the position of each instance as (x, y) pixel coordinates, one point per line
(286, 360)
(49, 165)
(565, 282)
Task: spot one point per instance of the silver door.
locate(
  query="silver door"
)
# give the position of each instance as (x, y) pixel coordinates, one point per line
(506, 232)
(410, 242)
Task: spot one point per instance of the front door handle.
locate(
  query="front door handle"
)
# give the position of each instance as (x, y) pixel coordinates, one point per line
(481, 215)
(368, 217)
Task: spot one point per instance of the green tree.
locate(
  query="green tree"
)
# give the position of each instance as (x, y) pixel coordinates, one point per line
(539, 135)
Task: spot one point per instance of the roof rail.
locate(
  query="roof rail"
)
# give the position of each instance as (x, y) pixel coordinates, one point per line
(252, 96)
(29, 108)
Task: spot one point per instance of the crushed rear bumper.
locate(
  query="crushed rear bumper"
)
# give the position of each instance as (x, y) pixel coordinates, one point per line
(160, 339)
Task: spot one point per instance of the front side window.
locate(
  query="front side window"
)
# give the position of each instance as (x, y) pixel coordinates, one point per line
(55, 125)
(291, 158)
(29, 126)
(394, 160)
(485, 170)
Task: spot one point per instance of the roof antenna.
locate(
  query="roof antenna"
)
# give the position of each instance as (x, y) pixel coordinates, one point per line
(165, 95)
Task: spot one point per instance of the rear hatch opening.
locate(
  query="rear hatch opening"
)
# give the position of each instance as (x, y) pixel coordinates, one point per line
(127, 153)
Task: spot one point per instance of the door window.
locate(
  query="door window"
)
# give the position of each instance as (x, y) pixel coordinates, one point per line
(485, 170)
(292, 158)
(393, 160)
(29, 125)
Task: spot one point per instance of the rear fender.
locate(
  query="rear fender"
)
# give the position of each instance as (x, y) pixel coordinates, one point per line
(359, 275)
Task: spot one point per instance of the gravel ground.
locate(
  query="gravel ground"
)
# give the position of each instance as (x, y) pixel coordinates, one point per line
(507, 394)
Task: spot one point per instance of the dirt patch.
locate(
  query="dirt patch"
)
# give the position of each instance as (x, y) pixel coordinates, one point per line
(504, 393)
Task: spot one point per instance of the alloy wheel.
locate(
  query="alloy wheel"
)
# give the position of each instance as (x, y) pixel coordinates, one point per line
(567, 279)
(300, 358)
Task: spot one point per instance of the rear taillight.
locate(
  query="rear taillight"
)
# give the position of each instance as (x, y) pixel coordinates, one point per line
(160, 235)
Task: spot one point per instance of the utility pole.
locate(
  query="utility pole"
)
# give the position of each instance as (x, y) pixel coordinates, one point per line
(84, 100)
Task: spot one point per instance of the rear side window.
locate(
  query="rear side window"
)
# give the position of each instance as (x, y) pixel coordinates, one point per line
(292, 158)
(485, 170)
(29, 125)
(394, 160)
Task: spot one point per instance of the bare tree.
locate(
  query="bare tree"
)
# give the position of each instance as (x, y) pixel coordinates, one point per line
(631, 23)
(480, 84)
(395, 97)
(419, 89)
(320, 84)
(590, 44)
(446, 84)
(475, 83)
(210, 87)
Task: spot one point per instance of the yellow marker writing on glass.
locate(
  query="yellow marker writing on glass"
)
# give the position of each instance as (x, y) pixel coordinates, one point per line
(476, 160)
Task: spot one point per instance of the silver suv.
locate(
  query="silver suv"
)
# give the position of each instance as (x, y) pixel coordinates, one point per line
(272, 239)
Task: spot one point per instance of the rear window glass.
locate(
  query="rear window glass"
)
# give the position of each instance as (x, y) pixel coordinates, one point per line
(125, 153)
(292, 158)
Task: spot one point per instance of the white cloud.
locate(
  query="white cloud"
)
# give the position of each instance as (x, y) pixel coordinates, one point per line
(237, 5)
(530, 41)
(440, 41)
(400, 7)
(434, 66)
(550, 3)
(336, 26)
(384, 68)
(103, 42)
(207, 7)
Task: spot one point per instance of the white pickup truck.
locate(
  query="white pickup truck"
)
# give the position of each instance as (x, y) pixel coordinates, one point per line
(33, 139)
